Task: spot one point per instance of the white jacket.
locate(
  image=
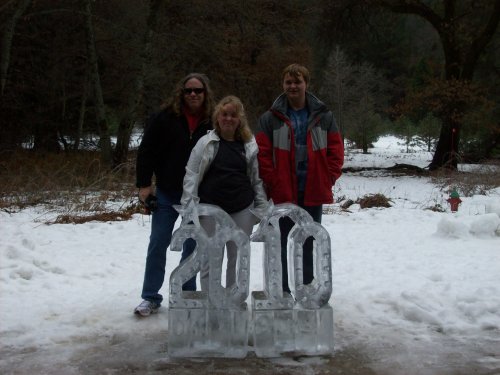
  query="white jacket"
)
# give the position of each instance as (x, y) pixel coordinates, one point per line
(200, 160)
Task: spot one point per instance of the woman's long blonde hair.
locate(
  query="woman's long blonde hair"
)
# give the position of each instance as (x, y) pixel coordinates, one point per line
(243, 132)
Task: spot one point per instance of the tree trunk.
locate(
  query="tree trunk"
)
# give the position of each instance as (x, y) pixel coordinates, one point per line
(364, 142)
(7, 37)
(83, 110)
(446, 154)
(122, 141)
(494, 143)
(45, 135)
(137, 100)
(46, 139)
(104, 138)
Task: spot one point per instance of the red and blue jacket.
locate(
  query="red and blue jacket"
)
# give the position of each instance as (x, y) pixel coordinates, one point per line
(325, 153)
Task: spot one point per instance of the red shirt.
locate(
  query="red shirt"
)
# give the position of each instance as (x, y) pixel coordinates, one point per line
(193, 120)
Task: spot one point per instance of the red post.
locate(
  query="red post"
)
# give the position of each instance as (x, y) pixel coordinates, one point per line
(454, 201)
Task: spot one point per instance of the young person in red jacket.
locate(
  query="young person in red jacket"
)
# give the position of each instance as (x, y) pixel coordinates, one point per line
(300, 157)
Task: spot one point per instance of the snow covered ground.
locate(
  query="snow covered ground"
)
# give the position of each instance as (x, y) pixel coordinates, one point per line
(415, 291)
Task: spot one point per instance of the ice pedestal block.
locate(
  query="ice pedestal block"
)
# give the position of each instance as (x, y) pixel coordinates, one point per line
(212, 322)
(208, 332)
(299, 331)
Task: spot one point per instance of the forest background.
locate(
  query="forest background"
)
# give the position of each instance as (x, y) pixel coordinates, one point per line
(78, 77)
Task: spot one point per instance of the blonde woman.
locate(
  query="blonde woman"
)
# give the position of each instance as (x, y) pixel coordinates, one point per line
(223, 170)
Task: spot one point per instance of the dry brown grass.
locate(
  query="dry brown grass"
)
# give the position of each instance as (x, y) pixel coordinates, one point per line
(121, 215)
(79, 188)
(72, 184)
(367, 201)
(374, 200)
(480, 181)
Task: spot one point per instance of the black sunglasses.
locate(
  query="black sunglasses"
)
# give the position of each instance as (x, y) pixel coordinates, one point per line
(197, 90)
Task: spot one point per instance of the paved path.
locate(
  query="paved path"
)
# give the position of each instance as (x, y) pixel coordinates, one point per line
(128, 354)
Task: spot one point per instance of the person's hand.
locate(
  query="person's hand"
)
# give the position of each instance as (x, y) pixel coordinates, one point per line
(144, 192)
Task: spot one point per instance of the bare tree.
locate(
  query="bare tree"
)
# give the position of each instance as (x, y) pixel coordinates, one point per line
(104, 138)
(356, 91)
(136, 98)
(335, 85)
(83, 111)
(8, 35)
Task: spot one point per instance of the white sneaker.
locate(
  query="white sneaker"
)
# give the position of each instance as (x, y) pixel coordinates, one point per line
(146, 308)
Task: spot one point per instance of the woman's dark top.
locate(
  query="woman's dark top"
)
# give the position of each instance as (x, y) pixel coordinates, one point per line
(165, 149)
(226, 183)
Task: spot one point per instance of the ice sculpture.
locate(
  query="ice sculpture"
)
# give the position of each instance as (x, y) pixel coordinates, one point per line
(281, 325)
(213, 322)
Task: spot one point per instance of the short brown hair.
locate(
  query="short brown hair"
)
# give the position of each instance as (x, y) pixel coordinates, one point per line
(296, 70)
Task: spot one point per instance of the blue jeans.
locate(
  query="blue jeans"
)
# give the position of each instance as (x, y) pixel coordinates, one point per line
(286, 225)
(164, 218)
